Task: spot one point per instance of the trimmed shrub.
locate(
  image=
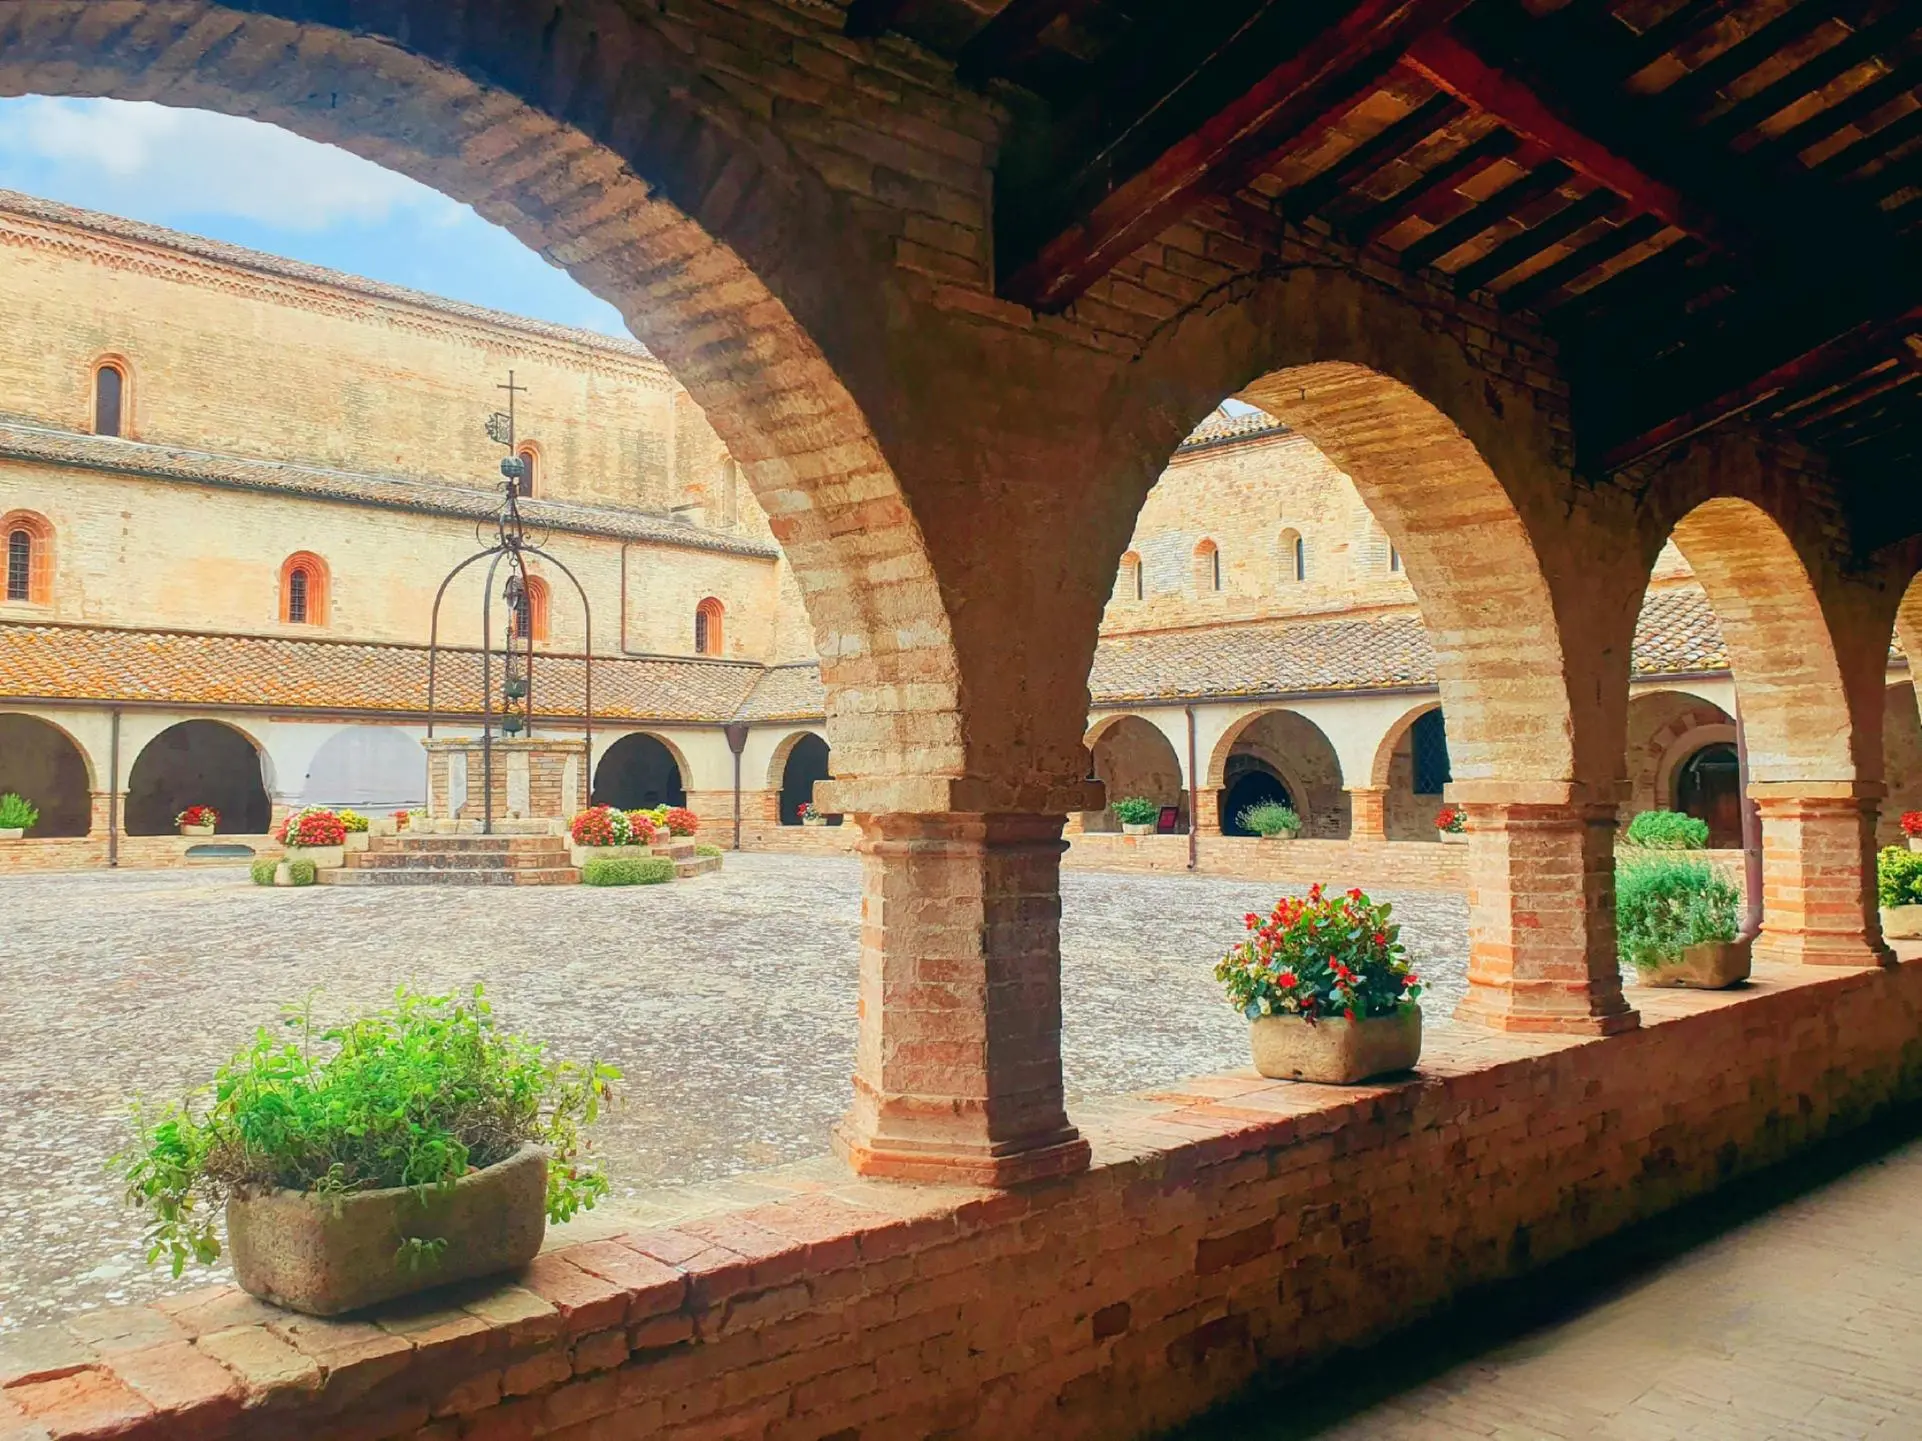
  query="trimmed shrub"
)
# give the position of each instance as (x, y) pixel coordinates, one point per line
(1667, 831)
(1270, 818)
(1136, 810)
(707, 850)
(301, 873)
(1665, 903)
(17, 813)
(1898, 877)
(622, 871)
(262, 872)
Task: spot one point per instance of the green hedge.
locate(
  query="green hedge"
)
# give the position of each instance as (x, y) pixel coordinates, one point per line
(1898, 877)
(620, 871)
(707, 850)
(262, 872)
(1667, 831)
(301, 873)
(1664, 903)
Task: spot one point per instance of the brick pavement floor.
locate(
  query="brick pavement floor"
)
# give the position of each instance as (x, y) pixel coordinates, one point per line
(728, 1001)
(1802, 1323)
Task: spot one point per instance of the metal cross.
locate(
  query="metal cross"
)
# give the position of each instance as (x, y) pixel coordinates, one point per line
(500, 428)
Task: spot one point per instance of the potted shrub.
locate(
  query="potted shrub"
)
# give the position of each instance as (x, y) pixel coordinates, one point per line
(1451, 824)
(1898, 887)
(809, 815)
(197, 821)
(1667, 831)
(1271, 820)
(1912, 829)
(1326, 986)
(1676, 920)
(409, 1148)
(602, 830)
(1137, 815)
(315, 834)
(681, 821)
(18, 815)
(354, 826)
(627, 871)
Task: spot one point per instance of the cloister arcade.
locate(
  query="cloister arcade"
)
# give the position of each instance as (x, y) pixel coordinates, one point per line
(954, 473)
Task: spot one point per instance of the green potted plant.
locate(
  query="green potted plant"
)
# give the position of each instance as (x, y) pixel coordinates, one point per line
(197, 821)
(1667, 831)
(1451, 824)
(1271, 820)
(18, 815)
(405, 1149)
(1676, 920)
(1326, 987)
(1898, 888)
(1137, 815)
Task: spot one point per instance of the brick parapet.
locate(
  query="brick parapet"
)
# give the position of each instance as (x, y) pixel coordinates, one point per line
(1196, 1251)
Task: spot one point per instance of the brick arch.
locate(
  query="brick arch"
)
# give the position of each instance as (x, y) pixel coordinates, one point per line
(777, 763)
(39, 555)
(587, 133)
(1323, 804)
(1690, 722)
(1908, 628)
(1383, 763)
(320, 587)
(1795, 707)
(1108, 731)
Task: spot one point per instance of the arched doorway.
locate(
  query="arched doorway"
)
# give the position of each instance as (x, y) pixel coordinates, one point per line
(1281, 755)
(197, 762)
(807, 763)
(40, 762)
(1708, 786)
(1251, 781)
(1133, 757)
(639, 771)
(368, 768)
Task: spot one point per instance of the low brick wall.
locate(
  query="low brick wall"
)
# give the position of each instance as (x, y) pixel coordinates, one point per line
(1407, 865)
(1228, 1224)
(85, 853)
(798, 840)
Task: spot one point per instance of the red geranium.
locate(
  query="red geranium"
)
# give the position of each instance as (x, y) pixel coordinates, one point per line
(198, 816)
(681, 821)
(313, 826)
(1912, 823)
(642, 828)
(1452, 819)
(601, 826)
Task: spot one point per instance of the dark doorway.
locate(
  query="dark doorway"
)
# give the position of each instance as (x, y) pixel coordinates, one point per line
(1250, 783)
(807, 762)
(638, 772)
(197, 763)
(1708, 786)
(39, 764)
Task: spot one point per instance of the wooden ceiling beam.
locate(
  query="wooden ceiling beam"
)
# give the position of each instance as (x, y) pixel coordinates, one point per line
(1524, 191)
(1570, 268)
(1896, 35)
(1010, 36)
(1520, 249)
(1078, 225)
(1369, 156)
(1467, 163)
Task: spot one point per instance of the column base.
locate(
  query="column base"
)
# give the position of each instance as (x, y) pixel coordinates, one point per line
(940, 1163)
(1508, 1008)
(1819, 950)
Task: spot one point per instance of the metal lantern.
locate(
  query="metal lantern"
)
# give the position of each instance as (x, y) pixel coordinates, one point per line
(512, 545)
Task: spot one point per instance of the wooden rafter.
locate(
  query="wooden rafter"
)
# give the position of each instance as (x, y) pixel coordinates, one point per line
(1011, 35)
(1518, 250)
(1464, 166)
(1518, 194)
(1572, 267)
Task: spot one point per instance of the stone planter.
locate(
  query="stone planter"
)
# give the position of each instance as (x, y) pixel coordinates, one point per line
(196, 830)
(357, 840)
(1902, 923)
(13, 833)
(1282, 836)
(1915, 843)
(579, 856)
(814, 820)
(1336, 1052)
(382, 826)
(325, 858)
(328, 1254)
(1453, 838)
(1711, 966)
(1133, 828)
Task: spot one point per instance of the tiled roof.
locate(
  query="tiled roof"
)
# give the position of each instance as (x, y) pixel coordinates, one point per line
(388, 492)
(52, 212)
(1221, 427)
(1677, 635)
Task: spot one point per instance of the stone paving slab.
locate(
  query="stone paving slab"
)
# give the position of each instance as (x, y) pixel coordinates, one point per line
(728, 1001)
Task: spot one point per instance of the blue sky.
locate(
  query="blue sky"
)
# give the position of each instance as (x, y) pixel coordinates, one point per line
(263, 187)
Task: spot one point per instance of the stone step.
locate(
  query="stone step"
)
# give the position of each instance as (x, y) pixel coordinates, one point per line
(470, 860)
(541, 876)
(464, 845)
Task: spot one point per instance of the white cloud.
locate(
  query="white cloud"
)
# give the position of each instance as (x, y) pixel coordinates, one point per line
(147, 159)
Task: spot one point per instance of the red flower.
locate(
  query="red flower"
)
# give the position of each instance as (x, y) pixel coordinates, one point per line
(1912, 823)
(1349, 1013)
(1287, 980)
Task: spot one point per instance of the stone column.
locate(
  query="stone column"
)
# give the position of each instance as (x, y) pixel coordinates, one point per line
(99, 814)
(1818, 873)
(958, 1065)
(1368, 813)
(1206, 819)
(1541, 912)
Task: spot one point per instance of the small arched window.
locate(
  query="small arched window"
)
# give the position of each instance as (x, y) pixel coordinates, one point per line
(530, 459)
(1132, 585)
(303, 589)
(530, 611)
(707, 627)
(29, 558)
(1207, 567)
(110, 398)
(1294, 556)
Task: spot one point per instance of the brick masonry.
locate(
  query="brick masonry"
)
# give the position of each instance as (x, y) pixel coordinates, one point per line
(1227, 1224)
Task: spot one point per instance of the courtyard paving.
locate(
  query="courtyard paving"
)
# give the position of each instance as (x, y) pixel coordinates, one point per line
(727, 1001)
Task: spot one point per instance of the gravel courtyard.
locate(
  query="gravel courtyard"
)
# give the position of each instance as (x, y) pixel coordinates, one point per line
(728, 1002)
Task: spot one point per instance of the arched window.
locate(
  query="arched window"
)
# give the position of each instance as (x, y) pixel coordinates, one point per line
(530, 458)
(1207, 567)
(1294, 556)
(303, 589)
(1132, 585)
(530, 611)
(109, 398)
(707, 627)
(29, 558)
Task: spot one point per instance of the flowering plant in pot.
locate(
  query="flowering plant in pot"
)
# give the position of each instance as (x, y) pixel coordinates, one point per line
(18, 815)
(601, 826)
(1912, 829)
(1326, 985)
(681, 821)
(404, 1149)
(1137, 815)
(197, 821)
(1676, 920)
(1452, 824)
(642, 829)
(809, 815)
(1898, 887)
(354, 825)
(315, 834)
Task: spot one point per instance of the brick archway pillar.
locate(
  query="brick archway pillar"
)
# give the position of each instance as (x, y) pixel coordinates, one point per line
(1368, 813)
(958, 1064)
(1818, 873)
(1541, 911)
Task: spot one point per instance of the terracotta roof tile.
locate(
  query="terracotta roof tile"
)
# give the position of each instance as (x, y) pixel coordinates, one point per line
(786, 692)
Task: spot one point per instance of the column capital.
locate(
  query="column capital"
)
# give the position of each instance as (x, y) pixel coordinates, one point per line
(954, 795)
(1778, 793)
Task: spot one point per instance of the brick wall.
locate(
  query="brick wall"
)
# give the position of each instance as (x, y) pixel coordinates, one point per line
(1406, 865)
(1227, 1224)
